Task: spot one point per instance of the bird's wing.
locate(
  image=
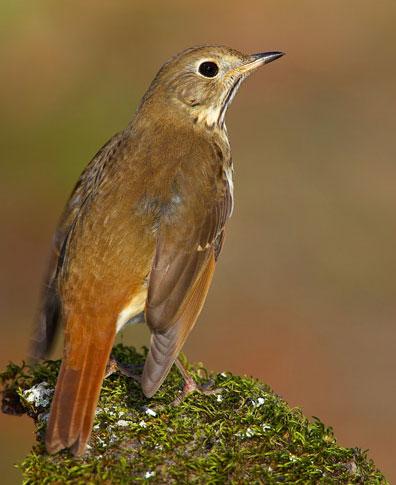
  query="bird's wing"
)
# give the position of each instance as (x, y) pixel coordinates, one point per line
(47, 323)
(188, 245)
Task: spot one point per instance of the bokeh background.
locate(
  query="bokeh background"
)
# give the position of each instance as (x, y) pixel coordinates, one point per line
(304, 294)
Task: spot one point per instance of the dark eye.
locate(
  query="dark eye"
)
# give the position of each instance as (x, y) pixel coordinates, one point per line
(208, 69)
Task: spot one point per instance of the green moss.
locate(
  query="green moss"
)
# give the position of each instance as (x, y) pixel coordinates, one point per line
(245, 434)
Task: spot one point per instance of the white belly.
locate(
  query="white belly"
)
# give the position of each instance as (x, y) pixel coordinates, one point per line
(134, 307)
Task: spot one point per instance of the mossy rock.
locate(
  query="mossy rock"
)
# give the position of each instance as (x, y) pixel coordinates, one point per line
(244, 434)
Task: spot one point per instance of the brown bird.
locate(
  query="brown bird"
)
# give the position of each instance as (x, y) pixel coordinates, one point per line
(141, 234)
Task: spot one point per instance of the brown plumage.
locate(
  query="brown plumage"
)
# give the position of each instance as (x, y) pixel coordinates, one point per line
(142, 232)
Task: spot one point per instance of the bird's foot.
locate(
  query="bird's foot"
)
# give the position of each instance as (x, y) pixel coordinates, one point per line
(131, 371)
(191, 386)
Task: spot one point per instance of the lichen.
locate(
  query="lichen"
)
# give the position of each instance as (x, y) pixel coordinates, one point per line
(245, 434)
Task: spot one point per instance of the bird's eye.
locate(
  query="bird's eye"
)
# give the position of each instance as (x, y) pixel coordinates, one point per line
(208, 69)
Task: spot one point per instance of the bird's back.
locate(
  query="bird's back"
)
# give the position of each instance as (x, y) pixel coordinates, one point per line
(105, 241)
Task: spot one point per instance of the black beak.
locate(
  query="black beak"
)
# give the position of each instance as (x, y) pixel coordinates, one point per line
(267, 57)
(257, 60)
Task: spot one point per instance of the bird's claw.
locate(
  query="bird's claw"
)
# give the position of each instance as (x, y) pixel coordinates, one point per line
(131, 371)
(191, 386)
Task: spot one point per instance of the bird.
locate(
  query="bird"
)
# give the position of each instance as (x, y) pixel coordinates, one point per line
(140, 235)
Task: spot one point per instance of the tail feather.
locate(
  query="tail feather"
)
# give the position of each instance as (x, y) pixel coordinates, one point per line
(76, 395)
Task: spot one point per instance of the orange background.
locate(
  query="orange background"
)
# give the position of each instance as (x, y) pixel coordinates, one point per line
(304, 293)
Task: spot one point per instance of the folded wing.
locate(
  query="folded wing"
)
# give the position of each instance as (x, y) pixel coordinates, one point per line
(188, 245)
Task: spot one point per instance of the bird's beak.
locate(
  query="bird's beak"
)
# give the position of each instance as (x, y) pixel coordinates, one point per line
(257, 60)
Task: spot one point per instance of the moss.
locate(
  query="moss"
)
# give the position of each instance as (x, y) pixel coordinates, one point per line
(245, 434)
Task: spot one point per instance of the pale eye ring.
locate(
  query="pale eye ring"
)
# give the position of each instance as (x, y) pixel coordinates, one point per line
(208, 69)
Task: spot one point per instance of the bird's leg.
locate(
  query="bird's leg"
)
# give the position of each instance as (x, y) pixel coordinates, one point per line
(191, 386)
(114, 365)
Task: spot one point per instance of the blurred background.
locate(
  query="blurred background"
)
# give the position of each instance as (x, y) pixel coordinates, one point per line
(304, 293)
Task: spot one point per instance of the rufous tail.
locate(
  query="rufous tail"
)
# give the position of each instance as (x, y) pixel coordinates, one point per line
(77, 389)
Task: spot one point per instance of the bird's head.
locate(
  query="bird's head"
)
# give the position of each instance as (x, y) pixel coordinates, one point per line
(202, 81)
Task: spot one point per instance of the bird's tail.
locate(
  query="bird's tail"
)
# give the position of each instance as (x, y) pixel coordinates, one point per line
(77, 390)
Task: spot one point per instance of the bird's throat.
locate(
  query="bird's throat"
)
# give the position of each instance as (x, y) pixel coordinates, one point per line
(213, 116)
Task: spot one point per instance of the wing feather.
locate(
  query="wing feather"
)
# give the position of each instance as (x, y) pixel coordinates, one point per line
(180, 277)
(49, 316)
(166, 345)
